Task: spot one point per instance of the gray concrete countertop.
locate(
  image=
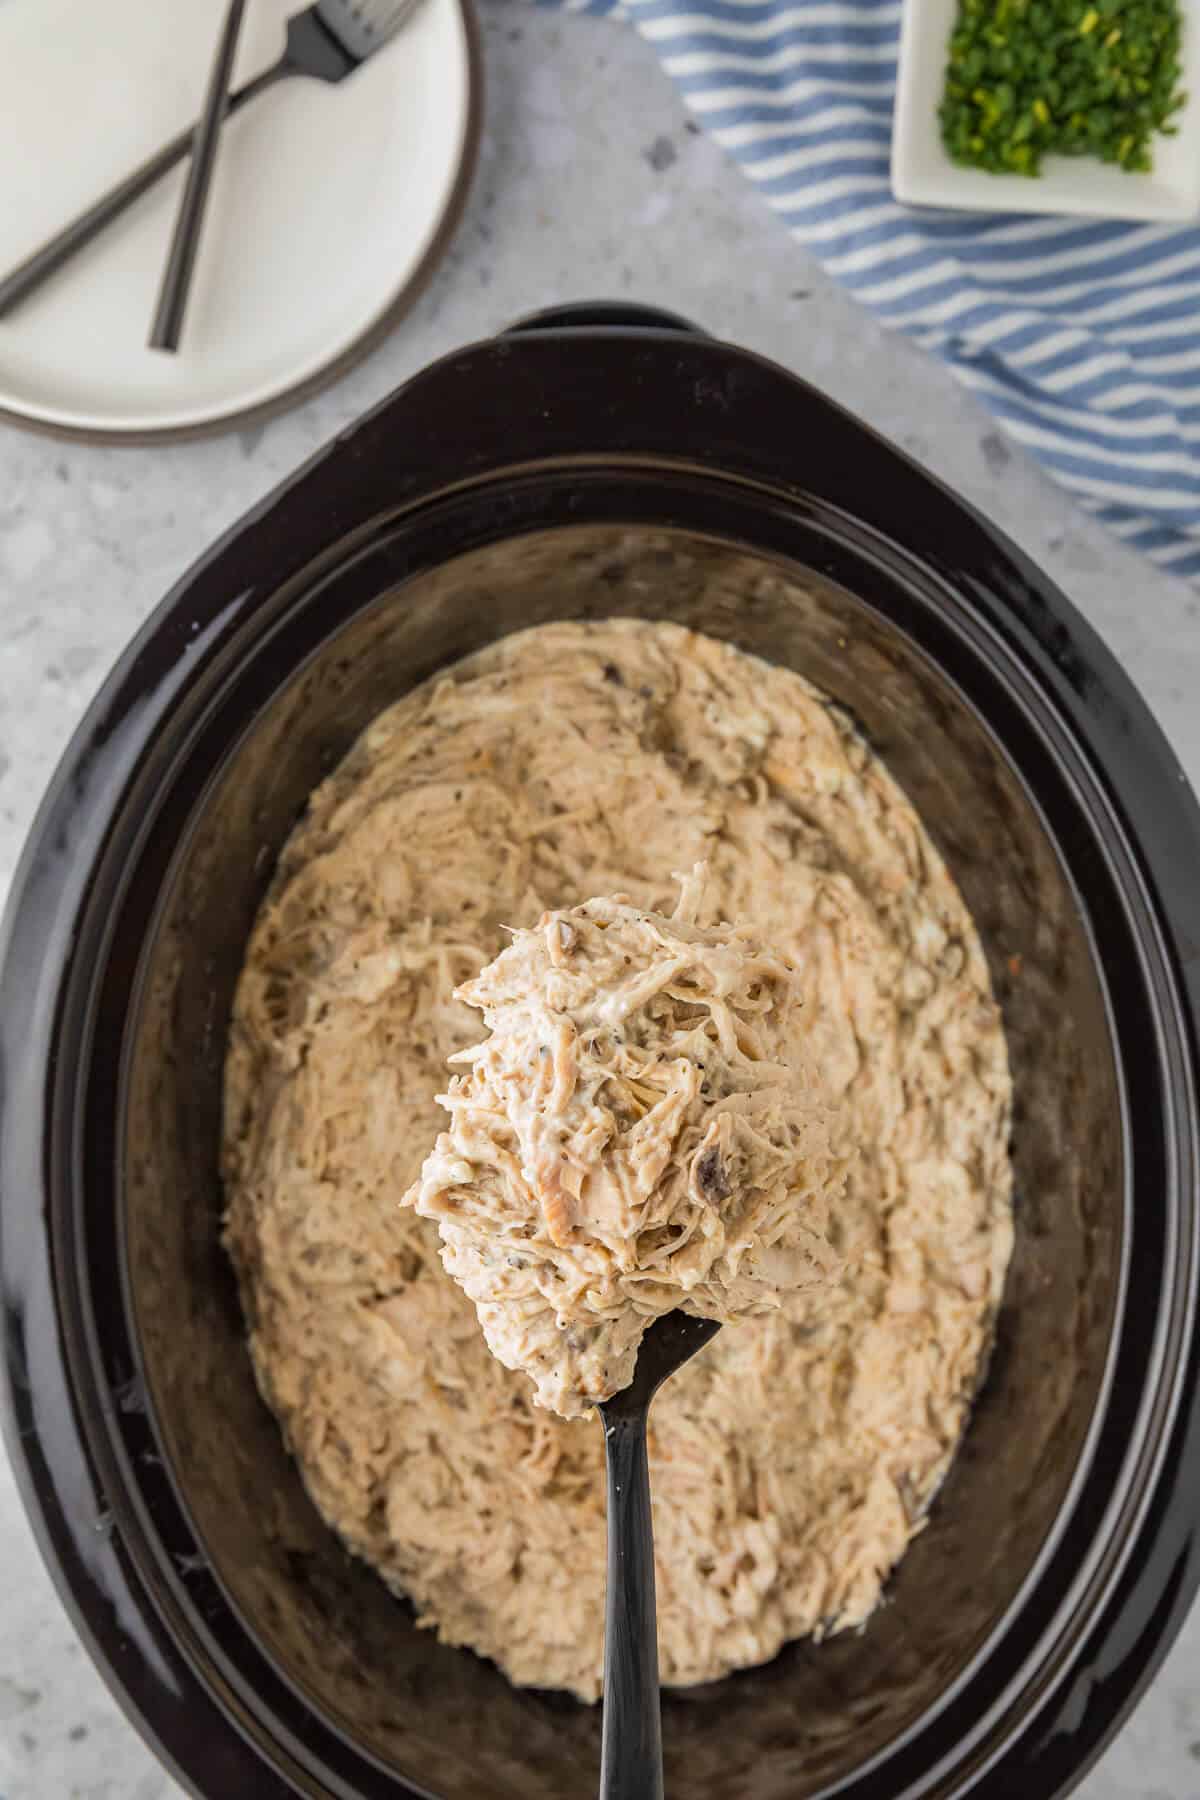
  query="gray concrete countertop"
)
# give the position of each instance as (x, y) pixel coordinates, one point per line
(592, 184)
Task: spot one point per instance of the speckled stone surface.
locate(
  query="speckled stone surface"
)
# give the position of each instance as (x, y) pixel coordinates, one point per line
(591, 184)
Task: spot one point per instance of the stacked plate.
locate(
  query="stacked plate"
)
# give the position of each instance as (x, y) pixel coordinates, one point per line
(330, 205)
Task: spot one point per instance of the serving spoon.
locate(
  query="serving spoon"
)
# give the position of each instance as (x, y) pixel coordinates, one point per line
(631, 1735)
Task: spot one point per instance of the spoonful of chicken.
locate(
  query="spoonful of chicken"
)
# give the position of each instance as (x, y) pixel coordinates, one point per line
(634, 1156)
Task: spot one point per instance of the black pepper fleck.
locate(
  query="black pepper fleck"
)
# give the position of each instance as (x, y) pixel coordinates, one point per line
(710, 1174)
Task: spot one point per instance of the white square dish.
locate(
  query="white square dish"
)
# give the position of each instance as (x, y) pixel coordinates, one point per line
(924, 175)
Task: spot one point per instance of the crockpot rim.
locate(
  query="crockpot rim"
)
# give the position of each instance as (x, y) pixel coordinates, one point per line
(168, 623)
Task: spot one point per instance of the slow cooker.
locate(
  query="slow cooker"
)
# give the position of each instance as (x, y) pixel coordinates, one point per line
(604, 461)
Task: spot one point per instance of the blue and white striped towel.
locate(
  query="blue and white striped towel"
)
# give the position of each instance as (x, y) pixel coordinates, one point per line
(1083, 338)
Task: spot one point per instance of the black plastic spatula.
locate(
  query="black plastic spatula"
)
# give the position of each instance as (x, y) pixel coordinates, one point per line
(631, 1756)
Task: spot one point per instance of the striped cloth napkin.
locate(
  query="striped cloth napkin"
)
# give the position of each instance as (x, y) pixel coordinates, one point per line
(1083, 338)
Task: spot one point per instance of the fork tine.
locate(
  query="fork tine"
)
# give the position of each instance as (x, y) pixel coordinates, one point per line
(362, 26)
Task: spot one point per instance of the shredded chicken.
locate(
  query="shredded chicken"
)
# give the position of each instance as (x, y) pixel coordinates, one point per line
(629, 1138)
(794, 1458)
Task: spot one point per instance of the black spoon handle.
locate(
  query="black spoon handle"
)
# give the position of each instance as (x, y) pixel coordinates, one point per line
(37, 268)
(167, 326)
(631, 1757)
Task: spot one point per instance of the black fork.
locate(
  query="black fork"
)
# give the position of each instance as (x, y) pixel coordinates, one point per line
(311, 49)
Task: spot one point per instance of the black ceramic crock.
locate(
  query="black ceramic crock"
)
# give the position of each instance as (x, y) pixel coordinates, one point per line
(603, 463)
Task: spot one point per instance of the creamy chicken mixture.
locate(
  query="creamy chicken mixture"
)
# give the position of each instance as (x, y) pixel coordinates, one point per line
(635, 1134)
(794, 1458)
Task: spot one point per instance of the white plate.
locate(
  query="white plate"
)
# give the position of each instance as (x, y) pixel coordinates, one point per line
(328, 206)
(923, 174)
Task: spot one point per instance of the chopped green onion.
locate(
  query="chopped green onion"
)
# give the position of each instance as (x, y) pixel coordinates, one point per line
(1031, 78)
